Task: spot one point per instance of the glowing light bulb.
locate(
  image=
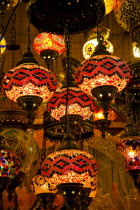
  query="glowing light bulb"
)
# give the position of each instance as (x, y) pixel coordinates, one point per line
(132, 153)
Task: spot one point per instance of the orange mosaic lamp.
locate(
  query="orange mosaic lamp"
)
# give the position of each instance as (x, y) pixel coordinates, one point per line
(49, 46)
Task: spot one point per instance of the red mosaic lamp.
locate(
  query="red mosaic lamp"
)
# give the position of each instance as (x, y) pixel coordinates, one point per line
(102, 75)
(49, 46)
(28, 84)
(69, 165)
(79, 103)
(129, 147)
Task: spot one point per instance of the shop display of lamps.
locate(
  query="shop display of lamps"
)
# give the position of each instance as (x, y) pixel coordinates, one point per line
(49, 46)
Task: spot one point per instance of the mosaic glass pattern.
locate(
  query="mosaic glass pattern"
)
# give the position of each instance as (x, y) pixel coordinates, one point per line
(46, 41)
(130, 149)
(89, 47)
(79, 103)
(29, 79)
(9, 163)
(42, 184)
(71, 166)
(102, 70)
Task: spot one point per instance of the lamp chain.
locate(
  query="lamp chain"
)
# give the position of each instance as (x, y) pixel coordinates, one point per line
(29, 39)
(13, 31)
(67, 38)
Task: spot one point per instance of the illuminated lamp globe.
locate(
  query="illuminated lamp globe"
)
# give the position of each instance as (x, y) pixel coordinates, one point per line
(49, 46)
(129, 147)
(29, 79)
(41, 184)
(79, 103)
(102, 70)
(29, 84)
(9, 162)
(71, 166)
(89, 47)
(2, 45)
(136, 49)
(24, 145)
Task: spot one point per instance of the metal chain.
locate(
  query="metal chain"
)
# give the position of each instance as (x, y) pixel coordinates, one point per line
(43, 153)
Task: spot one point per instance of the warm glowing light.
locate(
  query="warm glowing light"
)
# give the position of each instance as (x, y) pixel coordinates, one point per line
(102, 70)
(42, 184)
(130, 149)
(79, 103)
(2, 45)
(136, 49)
(89, 47)
(46, 41)
(29, 79)
(71, 166)
(99, 114)
(131, 153)
(108, 6)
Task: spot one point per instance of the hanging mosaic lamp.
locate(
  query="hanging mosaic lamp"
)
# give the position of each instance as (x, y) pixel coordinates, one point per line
(49, 46)
(89, 47)
(2, 44)
(102, 69)
(28, 78)
(53, 16)
(9, 162)
(79, 103)
(71, 165)
(129, 147)
(22, 143)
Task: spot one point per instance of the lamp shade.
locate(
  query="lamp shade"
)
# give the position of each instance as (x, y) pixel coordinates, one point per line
(53, 16)
(29, 79)
(23, 144)
(79, 103)
(71, 166)
(130, 149)
(2, 45)
(9, 162)
(41, 184)
(46, 41)
(89, 47)
(100, 70)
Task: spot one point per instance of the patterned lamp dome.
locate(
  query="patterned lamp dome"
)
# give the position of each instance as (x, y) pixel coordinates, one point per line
(101, 70)
(2, 45)
(29, 79)
(79, 103)
(23, 145)
(46, 41)
(41, 184)
(71, 166)
(53, 16)
(89, 47)
(9, 161)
